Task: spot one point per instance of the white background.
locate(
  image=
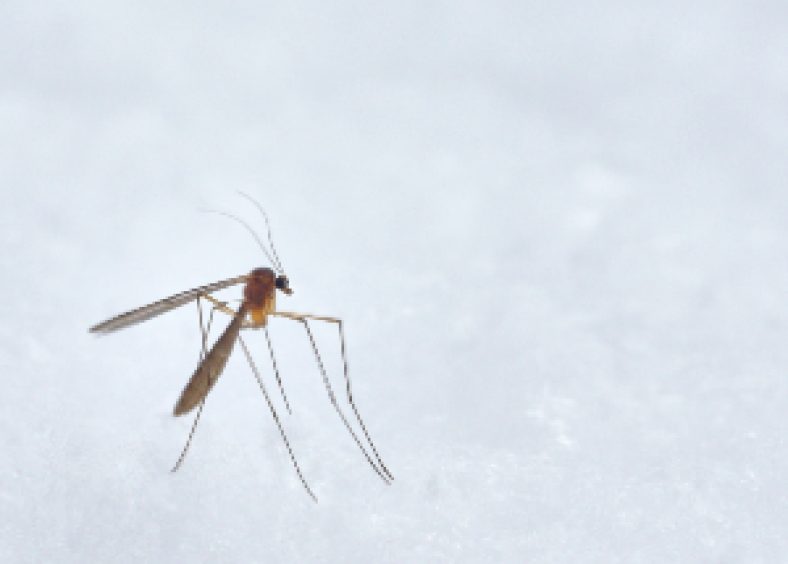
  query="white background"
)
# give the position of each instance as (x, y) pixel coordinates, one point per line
(556, 232)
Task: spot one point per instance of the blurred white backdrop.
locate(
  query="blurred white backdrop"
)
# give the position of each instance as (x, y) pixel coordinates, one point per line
(556, 234)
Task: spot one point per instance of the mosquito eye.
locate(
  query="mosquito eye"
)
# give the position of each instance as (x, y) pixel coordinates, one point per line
(282, 282)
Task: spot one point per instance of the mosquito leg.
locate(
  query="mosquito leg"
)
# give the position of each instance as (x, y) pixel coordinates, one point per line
(276, 371)
(189, 439)
(221, 306)
(383, 475)
(204, 330)
(338, 322)
(276, 418)
(353, 404)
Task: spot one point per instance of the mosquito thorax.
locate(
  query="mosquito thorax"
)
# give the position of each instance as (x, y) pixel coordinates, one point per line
(261, 272)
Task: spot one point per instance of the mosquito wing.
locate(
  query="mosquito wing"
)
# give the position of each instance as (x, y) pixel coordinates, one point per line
(211, 367)
(162, 306)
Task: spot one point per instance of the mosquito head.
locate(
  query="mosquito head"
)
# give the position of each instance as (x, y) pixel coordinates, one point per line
(283, 284)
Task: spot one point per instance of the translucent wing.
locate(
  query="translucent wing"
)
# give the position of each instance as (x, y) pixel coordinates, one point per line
(162, 306)
(211, 367)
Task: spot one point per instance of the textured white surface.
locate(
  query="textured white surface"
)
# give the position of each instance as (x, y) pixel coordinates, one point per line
(556, 233)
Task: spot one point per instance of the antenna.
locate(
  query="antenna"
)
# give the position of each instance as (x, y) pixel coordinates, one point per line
(268, 228)
(260, 243)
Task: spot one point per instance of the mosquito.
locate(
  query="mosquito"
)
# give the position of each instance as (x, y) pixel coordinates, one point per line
(260, 287)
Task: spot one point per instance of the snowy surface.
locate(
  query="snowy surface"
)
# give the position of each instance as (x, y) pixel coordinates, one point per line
(556, 232)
